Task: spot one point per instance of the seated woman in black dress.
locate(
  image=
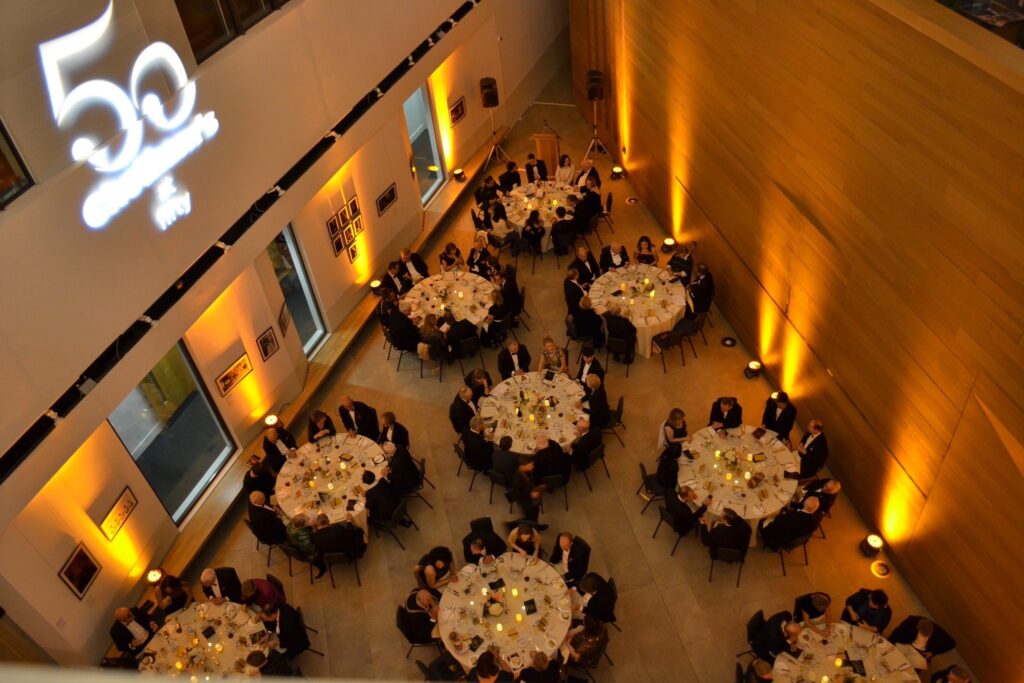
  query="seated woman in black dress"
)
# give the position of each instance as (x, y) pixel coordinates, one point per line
(451, 258)
(525, 540)
(674, 427)
(434, 571)
(433, 337)
(173, 595)
(645, 252)
(320, 425)
(533, 230)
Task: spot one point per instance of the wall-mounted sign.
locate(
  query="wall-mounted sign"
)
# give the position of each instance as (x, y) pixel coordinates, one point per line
(135, 167)
(119, 514)
(386, 199)
(230, 378)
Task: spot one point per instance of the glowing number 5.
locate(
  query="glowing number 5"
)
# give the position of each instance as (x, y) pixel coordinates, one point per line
(128, 109)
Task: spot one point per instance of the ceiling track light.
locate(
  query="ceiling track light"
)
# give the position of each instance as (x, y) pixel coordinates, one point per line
(149, 321)
(223, 246)
(277, 189)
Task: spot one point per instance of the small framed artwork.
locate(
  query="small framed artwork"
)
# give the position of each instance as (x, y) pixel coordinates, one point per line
(353, 253)
(284, 318)
(119, 514)
(79, 572)
(238, 371)
(348, 234)
(342, 215)
(353, 209)
(337, 242)
(267, 343)
(357, 227)
(386, 199)
(333, 226)
(458, 110)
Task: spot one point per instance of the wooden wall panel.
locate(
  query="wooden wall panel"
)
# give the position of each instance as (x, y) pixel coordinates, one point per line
(853, 173)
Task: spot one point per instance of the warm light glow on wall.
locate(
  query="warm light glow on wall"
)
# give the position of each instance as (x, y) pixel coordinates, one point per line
(362, 264)
(768, 331)
(624, 87)
(900, 504)
(792, 356)
(439, 88)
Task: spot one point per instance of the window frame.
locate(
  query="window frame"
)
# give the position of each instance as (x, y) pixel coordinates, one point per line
(308, 348)
(236, 26)
(19, 161)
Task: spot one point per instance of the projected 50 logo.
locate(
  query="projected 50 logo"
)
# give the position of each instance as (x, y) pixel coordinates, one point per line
(135, 167)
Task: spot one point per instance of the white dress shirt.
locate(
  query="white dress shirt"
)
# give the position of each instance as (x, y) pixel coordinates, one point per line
(415, 274)
(139, 632)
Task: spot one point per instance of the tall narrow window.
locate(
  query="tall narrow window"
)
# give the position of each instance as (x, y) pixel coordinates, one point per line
(419, 122)
(14, 179)
(298, 295)
(173, 432)
(212, 24)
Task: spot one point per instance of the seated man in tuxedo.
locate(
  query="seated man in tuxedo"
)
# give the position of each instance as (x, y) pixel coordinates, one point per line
(573, 291)
(510, 179)
(503, 460)
(340, 537)
(597, 407)
(462, 409)
(259, 477)
(403, 331)
(582, 213)
(726, 413)
(285, 626)
(589, 364)
(813, 450)
(551, 460)
(419, 619)
(571, 557)
(702, 290)
(381, 497)
(278, 444)
(392, 430)
(411, 267)
(359, 418)
(868, 609)
(779, 415)
(586, 265)
(510, 294)
(731, 531)
(925, 636)
(267, 526)
(561, 226)
(600, 604)
(132, 629)
(221, 585)
(404, 474)
(391, 279)
(686, 518)
(588, 323)
(790, 525)
(613, 255)
(481, 541)
(514, 359)
(620, 327)
(272, 664)
(536, 169)
(825, 490)
(587, 172)
(953, 674)
(591, 196)
(584, 444)
(779, 634)
(477, 448)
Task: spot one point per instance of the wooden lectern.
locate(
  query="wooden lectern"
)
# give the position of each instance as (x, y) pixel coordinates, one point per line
(548, 150)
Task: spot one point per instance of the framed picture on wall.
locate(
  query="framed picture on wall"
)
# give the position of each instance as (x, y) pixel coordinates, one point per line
(348, 234)
(353, 253)
(338, 245)
(353, 209)
(357, 228)
(386, 199)
(284, 317)
(267, 343)
(119, 514)
(342, 215)
(236, 372)
(79, 572)
(458, 110)
(333, 226)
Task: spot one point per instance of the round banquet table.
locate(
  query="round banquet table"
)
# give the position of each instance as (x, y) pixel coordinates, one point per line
(465, 294)
(882, 661)
(633, 286)
(533, 613)
(526, 405)
(180, 647)
(327, 477)
(720, 466)
(544, 196)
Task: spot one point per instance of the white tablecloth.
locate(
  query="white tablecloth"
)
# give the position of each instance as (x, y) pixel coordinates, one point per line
(181, 648)
(883, 662)
(464, 610)
(329, 479)
(526, 395)
(632, 287)
(465, 294)
(724, 475)
(544, 196)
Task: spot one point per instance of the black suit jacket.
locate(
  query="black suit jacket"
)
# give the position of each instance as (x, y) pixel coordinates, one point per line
(399, 435)
(814, 459)
(403, 331)
(601, 604)
(123, 637)
(274, 457)
(587, 275)
(259, 477)
(509, 180)
(702, 291)
(511, 296)
(267, 526)
(552, 462)
(312, 429)
(505, 365)
(341, 537)
(682, 266)
(686, 519)
(584, 445)
(787, 527)
(405, 475)
(277, 665)
(388, 282)
(939, 643)
(735, 536)
(771, 641)
(230, 584)
(600, 412)
(606, 262)
(733, 419)
(589, 327)
(417, 262)
(537, 171)
(592, 173)
(381, 500)
(293, 636)
(365, 423)
(595, 369)
(478, 450)
(781, 425)
(574, 293)
(459, 414)
(579, 560)
(620, 327)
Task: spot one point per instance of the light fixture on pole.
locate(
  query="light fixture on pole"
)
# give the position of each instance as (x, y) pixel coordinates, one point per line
(595, 93)
(489, 99)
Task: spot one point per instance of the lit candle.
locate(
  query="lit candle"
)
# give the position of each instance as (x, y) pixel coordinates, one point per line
(312, 483)
(218, 647)
(330, 486)
(652, 293)
(519, 618)
(718, 454)
(750, 457)
(460, 295)
(728, 476)
(746, 475)
(646, 281)
(839, 662)
(179, 665)
(533, 418)
(499, 628)
(483, 592)
(515, 592)
(632, 302)
(342, 467)
(547, 402)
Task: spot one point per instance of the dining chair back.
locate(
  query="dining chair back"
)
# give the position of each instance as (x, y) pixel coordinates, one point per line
(615, 420)
(621, 347)
(667, 518)
(331, 559)
(552, 483)
(563, 242)
(613, 600)
(669, 340)
(649, 484)
(278, 585)
(725, 554)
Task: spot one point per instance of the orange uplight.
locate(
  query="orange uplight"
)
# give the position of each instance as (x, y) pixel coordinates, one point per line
(900, 504)
(439, 89)
(362, 262)
(271, 420)
(624, 87)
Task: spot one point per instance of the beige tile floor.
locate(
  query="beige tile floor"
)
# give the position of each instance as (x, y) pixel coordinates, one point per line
(676, 626)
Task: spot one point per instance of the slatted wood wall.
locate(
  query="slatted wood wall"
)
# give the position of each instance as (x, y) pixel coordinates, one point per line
(857, 188)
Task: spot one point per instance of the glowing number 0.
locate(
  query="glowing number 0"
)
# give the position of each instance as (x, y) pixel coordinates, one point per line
(67, 106)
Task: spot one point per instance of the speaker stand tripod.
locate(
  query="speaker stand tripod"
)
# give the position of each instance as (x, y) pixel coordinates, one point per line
(497, 154)
(596, 146)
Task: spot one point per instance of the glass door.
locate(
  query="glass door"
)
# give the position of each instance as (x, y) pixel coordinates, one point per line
(419, 122)
(298, 295)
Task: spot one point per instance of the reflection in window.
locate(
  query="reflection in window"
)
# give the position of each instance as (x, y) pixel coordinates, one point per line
(419, 122)
(212, 24)
(173, 432)
(14, 179)
(298, 295)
